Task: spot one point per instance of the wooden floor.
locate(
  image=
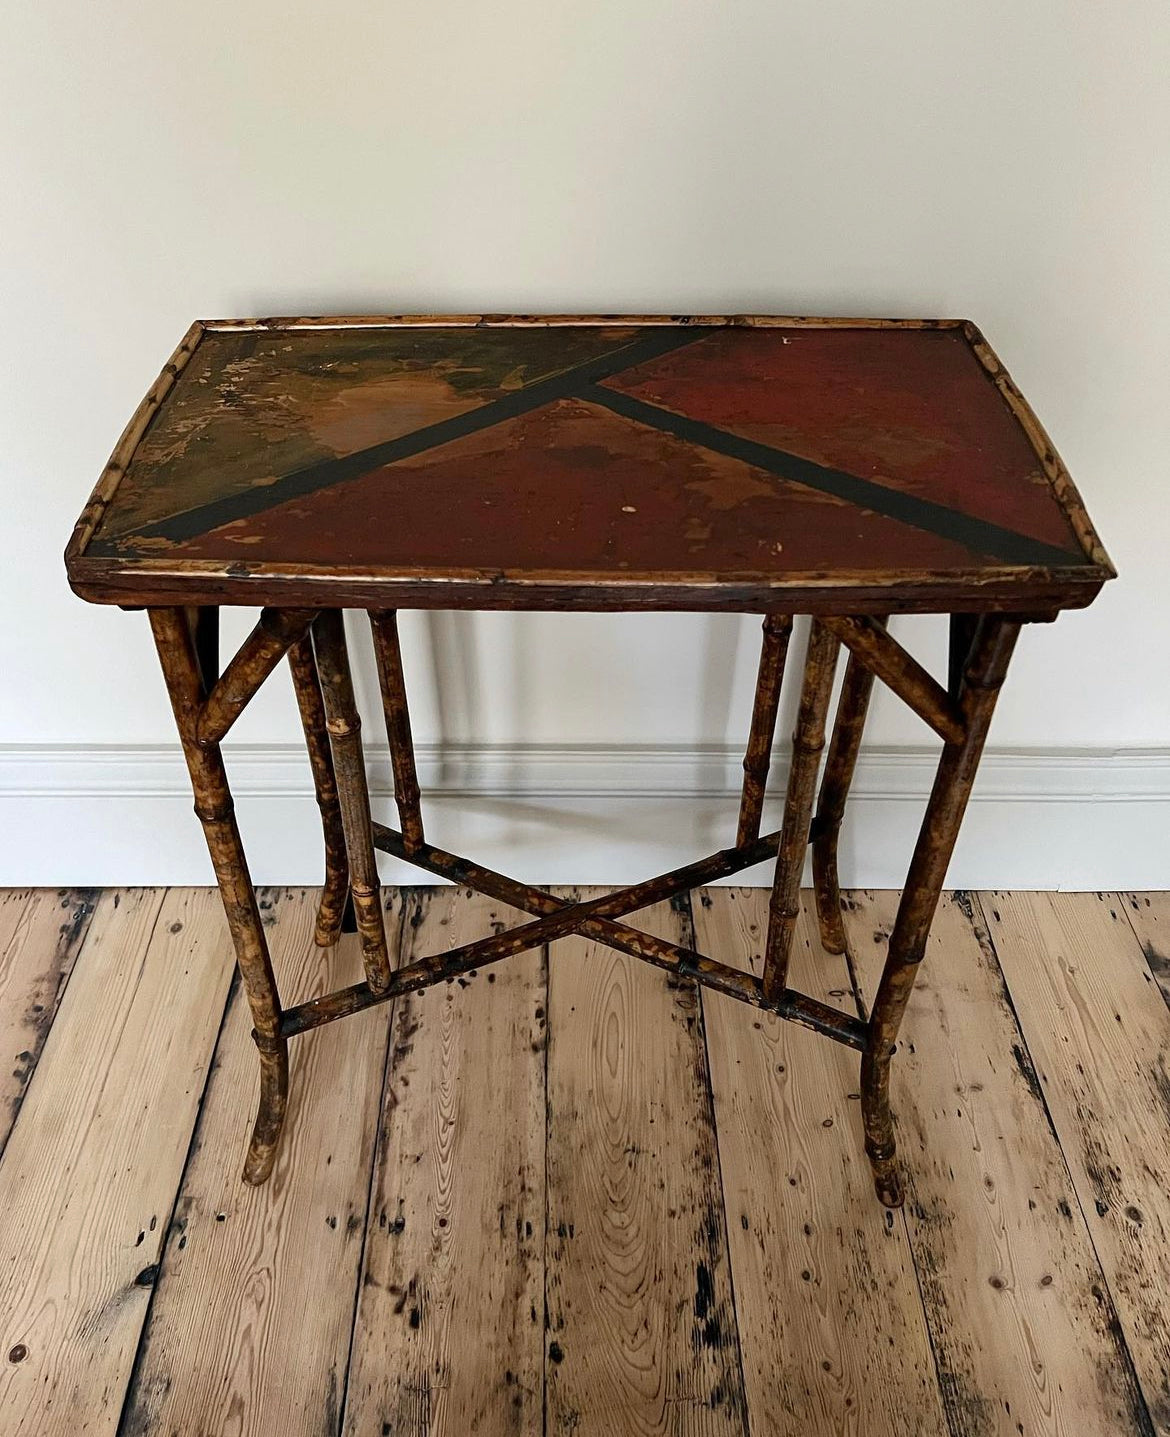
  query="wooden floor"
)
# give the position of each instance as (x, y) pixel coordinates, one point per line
(569, 1196)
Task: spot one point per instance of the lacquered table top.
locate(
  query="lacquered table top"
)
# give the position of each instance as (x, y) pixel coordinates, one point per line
(826, 466)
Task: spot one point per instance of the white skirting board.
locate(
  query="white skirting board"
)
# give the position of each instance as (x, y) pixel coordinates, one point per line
(1072, 819)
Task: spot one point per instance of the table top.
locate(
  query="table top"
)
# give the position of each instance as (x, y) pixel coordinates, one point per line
(754, 463)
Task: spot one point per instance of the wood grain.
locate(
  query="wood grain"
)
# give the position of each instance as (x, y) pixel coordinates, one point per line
(450, 1324)
(41, 932)
(821, 1269)
(1023, 1329)
(249, 1331)
(1097, 1028)
(641, 1324)
(1043, 1275)
(92, 1166)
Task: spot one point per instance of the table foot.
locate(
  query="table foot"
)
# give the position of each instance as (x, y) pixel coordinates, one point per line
(327, 929)
(827, 889)
(880, 1145)
(270, 1115)
(887, 1181)
(333, 908)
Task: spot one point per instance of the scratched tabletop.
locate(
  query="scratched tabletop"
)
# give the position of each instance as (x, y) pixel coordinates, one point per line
(754, 463)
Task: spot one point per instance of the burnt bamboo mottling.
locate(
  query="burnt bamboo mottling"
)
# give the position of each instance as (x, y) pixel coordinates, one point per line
(808, 740)
(530, 899)
(175, 641)
(840, 763)
(983, 677)
(344, 727)
(456, 961)
(391, 680)
(470, 957)
(335, 891)
(794, 1007)
(867, 638)
(649, 891)
(758, 758)
(259, 654)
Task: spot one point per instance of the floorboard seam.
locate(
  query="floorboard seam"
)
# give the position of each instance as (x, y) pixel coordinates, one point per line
(546, 950)
(406, 898)
(953, 1419)
(689, 938)
(1146, 1426)
(1126, 900)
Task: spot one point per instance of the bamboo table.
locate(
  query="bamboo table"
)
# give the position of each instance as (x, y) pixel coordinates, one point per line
(844, 469)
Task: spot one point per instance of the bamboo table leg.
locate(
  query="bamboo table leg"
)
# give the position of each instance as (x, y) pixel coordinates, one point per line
(757, 760)
(983, 676)
(335, 893)
(188, 678)
(391, 680)
(807, 743)
(206, 704)
(844, 747)
(344, 727)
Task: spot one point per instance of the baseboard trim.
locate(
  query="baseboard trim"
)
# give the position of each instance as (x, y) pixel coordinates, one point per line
(596, 771)
(1083, 818)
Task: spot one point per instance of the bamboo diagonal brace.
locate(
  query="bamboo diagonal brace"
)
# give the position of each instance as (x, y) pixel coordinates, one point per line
(276, 631)
(867, 638)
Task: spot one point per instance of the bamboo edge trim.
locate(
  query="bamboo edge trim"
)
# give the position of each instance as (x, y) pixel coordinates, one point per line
(1064, 488)
(541, 321)
(102, 494)
(692, 578)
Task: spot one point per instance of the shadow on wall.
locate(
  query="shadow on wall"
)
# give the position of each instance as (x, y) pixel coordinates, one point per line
(489, 684)
(459, 670)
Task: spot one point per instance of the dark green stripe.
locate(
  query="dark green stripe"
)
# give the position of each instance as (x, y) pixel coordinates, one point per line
(326, 473)
(978, 535)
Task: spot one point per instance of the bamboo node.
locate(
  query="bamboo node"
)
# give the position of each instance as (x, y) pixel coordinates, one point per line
(217, 813)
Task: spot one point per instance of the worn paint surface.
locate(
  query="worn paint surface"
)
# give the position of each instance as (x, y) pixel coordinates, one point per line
(589, 449)
(251, 407)
(911, 409)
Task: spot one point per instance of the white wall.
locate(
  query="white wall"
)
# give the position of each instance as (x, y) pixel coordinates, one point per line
(999, 161)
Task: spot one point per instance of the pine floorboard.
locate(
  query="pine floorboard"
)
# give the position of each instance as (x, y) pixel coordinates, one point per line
(570, 1195)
